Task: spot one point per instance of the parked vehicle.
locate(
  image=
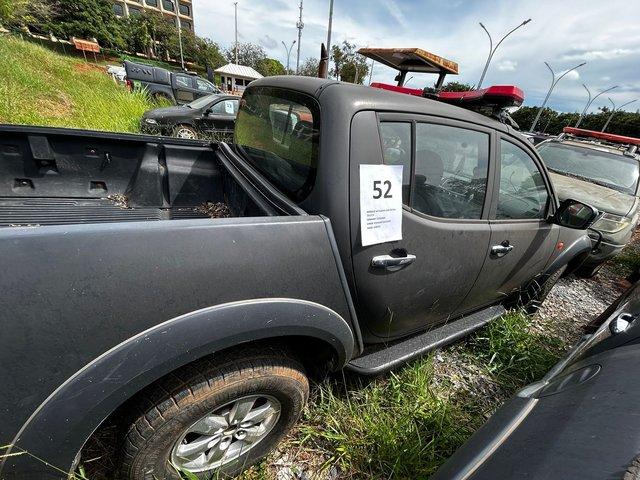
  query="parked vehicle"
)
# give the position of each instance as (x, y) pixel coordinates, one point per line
(177, 87)
(125, 307)
(579, 421)
(601, 169)
(211, 117)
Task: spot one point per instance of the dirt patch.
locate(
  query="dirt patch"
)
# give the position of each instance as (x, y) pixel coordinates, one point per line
(214, 210)
(58, 106)
(86, 67)
(120, 200)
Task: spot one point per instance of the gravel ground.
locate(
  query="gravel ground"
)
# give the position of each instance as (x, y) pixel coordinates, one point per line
(572, 304)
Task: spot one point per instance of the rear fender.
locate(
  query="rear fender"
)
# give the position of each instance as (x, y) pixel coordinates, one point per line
(59, 427)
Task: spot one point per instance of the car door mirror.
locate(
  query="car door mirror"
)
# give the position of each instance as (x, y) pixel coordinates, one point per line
(575, 214)
(208, 112)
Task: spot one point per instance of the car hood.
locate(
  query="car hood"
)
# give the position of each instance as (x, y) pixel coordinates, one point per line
(603, 198)
(167, 112)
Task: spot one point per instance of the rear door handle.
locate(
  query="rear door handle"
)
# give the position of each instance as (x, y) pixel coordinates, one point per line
(384, 261)
(501, 250)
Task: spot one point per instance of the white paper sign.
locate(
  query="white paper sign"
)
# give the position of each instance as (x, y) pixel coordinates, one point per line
(228, 107)
(380, 203)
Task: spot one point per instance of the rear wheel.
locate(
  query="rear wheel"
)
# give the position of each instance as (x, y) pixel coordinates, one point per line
(185, 131)
(215, 419)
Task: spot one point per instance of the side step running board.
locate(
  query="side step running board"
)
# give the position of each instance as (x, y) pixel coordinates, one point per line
(404, 350)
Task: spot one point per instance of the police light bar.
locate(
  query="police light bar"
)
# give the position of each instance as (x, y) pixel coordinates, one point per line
(607, 137)
(498, 96)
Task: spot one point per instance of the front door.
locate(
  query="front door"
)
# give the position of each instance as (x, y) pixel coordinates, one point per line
(219, 119)
(522, 240)
(446, 173)
(184, 88)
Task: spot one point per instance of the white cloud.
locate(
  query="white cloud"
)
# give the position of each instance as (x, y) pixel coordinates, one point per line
(507, 65)
(395, 11)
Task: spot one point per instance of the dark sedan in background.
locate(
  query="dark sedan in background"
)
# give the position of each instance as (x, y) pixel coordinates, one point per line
(582, 421)
(211, 117)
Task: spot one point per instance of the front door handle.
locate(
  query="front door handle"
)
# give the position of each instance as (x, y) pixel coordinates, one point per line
(384, 261)
(502, 249)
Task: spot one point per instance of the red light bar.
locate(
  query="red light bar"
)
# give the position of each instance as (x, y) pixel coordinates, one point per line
(607, 137)
(498, 95)
(393, 88)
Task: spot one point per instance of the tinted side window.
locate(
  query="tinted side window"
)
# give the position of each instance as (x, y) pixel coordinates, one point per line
(523, 194)
(226, 107)
(451, 171)
(183, 82)
(396, 150)
(204, 86)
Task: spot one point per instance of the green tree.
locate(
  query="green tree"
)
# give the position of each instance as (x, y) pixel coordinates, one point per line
(85, 19)
(348, 65)
(249, 55)
(269, 67)
(309, 67)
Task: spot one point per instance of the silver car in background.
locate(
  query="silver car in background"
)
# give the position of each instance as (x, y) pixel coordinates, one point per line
(589, 167)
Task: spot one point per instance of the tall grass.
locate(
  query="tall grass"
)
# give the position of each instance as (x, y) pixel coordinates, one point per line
(405, 425)
(41, 87)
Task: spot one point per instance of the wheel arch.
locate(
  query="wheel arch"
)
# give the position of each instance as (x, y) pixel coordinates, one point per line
(62, 424)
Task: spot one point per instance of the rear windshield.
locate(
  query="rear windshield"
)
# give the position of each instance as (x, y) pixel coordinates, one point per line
(610, 170)
(277, 131)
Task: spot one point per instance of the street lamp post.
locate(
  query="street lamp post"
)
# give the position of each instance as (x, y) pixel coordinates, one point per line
(177, 10)
(299, 26)
(554, 82)
(288, 50)
(493, 49)
(613, 112)
(589, 102)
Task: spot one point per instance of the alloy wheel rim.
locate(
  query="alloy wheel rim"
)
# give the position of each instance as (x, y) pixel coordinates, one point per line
(185, 133)
(223, 435)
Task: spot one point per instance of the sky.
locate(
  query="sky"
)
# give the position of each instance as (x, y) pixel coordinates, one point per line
(604, 33)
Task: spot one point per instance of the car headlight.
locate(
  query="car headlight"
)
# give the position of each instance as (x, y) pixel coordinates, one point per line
(610, 223)
(151, 121)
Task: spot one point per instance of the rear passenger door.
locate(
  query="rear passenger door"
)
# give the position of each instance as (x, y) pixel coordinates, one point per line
(184, 88)
(522, 240)
(446, 173)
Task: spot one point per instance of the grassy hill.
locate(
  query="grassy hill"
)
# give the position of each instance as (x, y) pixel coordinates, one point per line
(41, 87)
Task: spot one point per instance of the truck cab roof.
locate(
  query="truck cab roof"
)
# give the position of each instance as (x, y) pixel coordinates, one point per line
(335, 94)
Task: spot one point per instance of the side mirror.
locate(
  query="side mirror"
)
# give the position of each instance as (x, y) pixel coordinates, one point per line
(575, 214)
(208, 112)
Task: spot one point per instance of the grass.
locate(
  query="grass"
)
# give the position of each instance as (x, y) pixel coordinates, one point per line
(41, 87)
(406, 424)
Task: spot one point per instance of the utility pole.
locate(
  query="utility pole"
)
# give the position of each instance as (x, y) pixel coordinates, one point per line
(235, 5)
(288, 50)
(371, 72)
(299, 26)
(330, 26)
(493, 49)
(554, 82)
(589, 102)
(613, 112)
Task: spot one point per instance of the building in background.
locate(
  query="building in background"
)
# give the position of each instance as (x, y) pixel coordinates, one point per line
(168, 8)
(234, 78)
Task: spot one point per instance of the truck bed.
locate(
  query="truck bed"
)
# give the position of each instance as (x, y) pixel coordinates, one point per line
(61, 177)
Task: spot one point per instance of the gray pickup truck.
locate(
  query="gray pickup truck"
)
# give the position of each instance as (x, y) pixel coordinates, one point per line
(188, 341)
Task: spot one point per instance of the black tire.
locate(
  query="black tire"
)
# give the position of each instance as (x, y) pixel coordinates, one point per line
(588, 271)
(538, 293)
(185, 131)
(186, 396)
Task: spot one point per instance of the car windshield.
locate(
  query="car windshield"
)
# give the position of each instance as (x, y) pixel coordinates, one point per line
(202, 102)
(602, 168)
